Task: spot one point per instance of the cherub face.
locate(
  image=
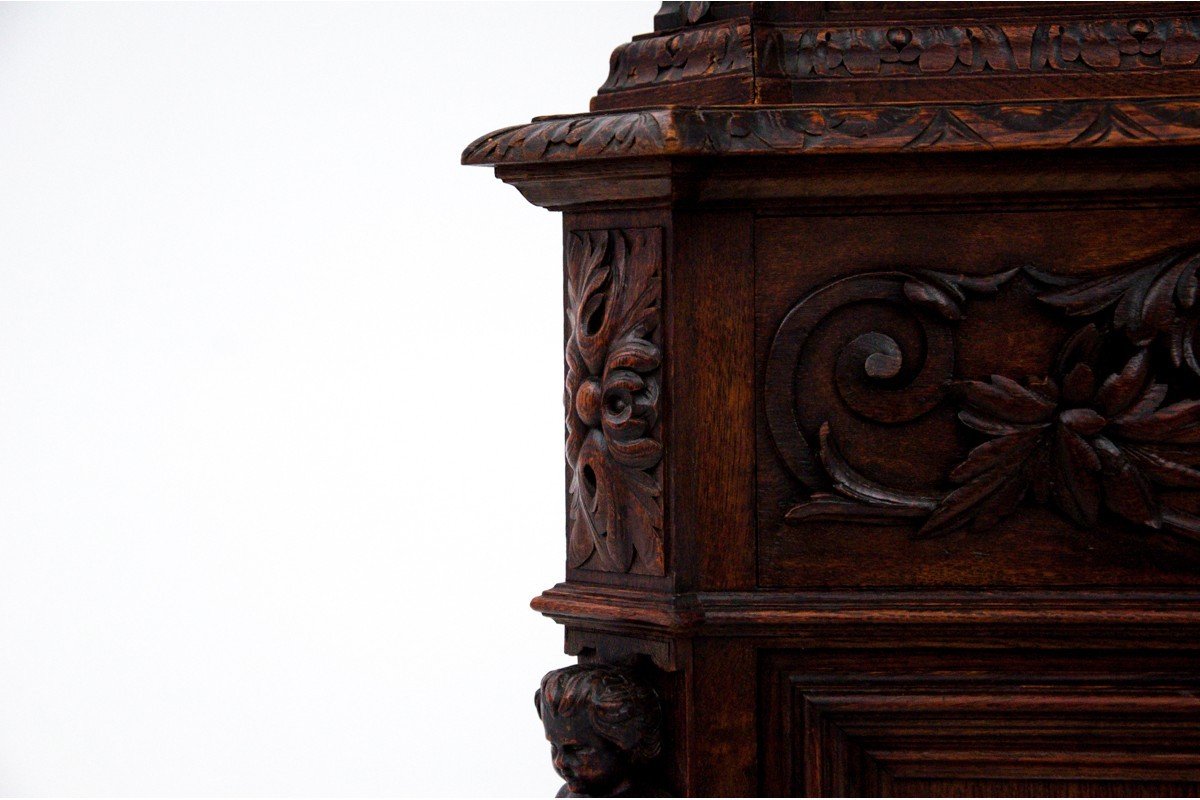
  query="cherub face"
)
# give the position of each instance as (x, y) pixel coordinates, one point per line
(591, 765)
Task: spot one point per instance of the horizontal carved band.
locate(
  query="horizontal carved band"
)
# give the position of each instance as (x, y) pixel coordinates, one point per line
(876, 128)
(1111, 45)
(757, 61)
(994, 49)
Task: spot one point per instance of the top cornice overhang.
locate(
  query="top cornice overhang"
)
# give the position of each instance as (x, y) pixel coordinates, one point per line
(799, 78)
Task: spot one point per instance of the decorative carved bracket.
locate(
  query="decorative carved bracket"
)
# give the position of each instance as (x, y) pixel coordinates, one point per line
(604, 729)
(665, 653)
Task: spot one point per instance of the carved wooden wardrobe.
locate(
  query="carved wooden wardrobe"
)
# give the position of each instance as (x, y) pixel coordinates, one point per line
(883, 393)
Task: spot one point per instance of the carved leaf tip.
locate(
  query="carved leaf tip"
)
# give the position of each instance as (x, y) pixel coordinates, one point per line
(860, 499)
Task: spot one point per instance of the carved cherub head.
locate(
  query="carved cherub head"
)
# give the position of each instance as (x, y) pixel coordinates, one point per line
(603, 727)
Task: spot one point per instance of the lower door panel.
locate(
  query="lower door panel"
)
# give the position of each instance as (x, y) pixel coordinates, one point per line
(984, 723)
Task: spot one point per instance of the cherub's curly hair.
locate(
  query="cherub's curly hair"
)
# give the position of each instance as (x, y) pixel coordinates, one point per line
(620, 709)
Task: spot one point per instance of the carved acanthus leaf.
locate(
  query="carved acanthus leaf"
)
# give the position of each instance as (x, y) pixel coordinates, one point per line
(1155, 301)
(607, 135)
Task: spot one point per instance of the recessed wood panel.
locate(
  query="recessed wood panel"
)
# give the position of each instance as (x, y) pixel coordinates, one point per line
(968, 724)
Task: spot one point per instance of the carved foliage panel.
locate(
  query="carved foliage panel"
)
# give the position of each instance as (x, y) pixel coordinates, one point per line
(1009, 403)
(1089, 437)
(612, 397)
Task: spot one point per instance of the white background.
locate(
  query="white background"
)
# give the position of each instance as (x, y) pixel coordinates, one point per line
(280, 396)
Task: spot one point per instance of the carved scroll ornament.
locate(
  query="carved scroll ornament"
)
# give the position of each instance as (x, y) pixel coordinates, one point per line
(612, 399)
(1111, 430)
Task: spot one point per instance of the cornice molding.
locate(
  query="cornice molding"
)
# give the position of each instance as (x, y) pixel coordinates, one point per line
(802, 129)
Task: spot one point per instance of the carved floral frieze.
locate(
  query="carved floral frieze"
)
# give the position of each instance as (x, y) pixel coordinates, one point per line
(929, 50)
(988, 48)
(1110, 431)
(613, 383)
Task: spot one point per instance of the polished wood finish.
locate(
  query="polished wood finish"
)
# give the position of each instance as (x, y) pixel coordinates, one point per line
(883, 393)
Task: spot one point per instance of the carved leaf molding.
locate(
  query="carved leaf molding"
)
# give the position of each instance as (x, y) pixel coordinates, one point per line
(857, 128)
(685, 55)
(1085, 440)
(612, 389)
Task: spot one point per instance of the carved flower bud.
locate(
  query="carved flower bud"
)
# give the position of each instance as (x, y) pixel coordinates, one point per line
(588, 401)
(899, 37)
(1139, 27)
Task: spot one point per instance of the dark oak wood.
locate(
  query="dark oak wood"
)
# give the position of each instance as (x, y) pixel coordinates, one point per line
(713, 478)
(882, 394)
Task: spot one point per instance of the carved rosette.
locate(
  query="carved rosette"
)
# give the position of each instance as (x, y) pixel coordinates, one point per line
(1111, 431)
(613, 382)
